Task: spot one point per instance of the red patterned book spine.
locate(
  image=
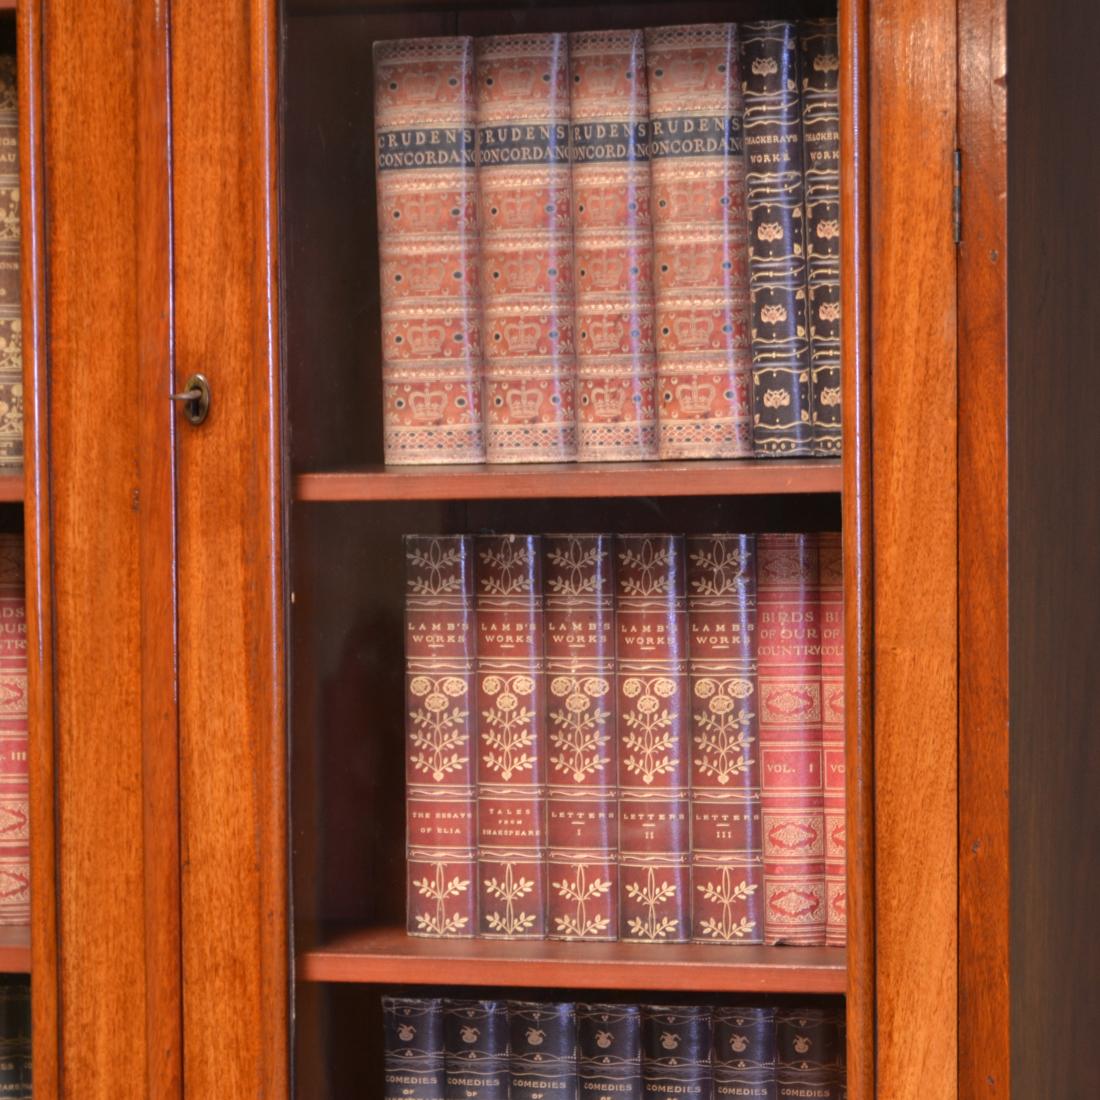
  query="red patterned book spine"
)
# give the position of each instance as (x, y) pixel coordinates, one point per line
(726, 864)
(788, 653)
(511, 808)
(525, 204)
(612, 247)
(831, 573)
(427, 239)
(580, 728)
(440, 735)
(11, 308)
(704, 359)
(653, 721)
(14, 776)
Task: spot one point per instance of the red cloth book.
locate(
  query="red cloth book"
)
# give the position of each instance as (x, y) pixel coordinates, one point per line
(580, 728)
(15, 897)
(788, 653)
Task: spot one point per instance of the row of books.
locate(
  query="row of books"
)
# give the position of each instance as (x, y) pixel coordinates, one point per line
(636, 737)
(15, 1037)
(524, 1050)
(610, 245)
(14, 774)
(11, 323)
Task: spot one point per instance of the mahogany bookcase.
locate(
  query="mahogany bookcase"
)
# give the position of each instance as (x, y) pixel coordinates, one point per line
(216, 650)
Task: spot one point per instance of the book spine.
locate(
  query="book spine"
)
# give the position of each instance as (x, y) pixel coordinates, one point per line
(475, 1041)
(788, 652)
(11, 308)
(413, 1052)
(782, 423)
(726, 863)
(821, 139)
(831, 596)
(14, 774)
(676, 1052)
(704, 359)
(842, 1058)
(612, 247)
(525, 204)
(511, 806)
(582, 815)
(609, 1052)
(744, 1053)
(542, 1041)
(440, 736)
(428, 248)
(653, 745)
(807, 1054)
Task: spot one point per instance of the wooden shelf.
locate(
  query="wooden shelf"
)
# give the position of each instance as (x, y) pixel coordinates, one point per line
(15, 949)
(11, 485)
(629, 479)
(389, 955)
(6, 6)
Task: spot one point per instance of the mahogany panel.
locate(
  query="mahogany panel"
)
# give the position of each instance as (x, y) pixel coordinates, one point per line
(983, 559)
(388, 954)
(913, 410)
(15, 950)
(628, 479)
(232, 671)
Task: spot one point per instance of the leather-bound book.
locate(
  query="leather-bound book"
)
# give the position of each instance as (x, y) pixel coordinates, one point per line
(609, 1052)
(511, 776)
(676, 1052)
(654, 738)
(807, 1045)
(744, 1053)
(727, 895)
(821, 137)
(582, 825)
(789, 689)
(475, 1040)
(425, 156)
(842, 1058)
(782, 417)
(15, 1037)
(831, 601)
(413, 1053)
(542, 1041)
(525, 205)
(11, 310)
(15, 895)
(612, 247)
(700, 269)
(440, 735)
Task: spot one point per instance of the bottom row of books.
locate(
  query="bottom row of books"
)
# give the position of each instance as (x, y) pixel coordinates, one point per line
(15, 1037)
(439, 1049)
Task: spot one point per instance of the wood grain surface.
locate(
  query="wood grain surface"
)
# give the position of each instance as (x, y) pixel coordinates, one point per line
(913, 412)
(232, 689)
(983, 559)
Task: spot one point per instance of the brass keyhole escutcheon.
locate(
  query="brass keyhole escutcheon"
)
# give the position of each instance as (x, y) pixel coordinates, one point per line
(195, 398)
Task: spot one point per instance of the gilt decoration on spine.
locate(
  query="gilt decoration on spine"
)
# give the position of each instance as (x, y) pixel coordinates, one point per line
(440, 738)
(413, 1056)
(700, 266)
(475, 1035)
(14, 773)
(821, 138)
(542, 1042)
(511, 765)
(807, 1054)
(744, 1053)
(726, 867)
(11, 306)
(676, 1052)
(609, 1052)
(654, 738)
(782, 417)
(831, 572)
(428, 249)
(613, 247)
(580, 728)
(525, 210)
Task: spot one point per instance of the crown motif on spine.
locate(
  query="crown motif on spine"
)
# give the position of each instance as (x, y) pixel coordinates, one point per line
(522, 272)
(604, 208)
(606, 270)
(517, 210)
(608, 401)
(688, 73)
(421, 85)
(693, 332)
(516, 81)
(421, 212)
(605, 334)
(695, 397)
(692, 268)
(524, 404)
(601, 77)
(425, 338)
(425, 275)
(522, 336)
(428, 407)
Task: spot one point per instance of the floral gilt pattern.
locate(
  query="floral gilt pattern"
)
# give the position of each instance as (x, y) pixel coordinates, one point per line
(722, 728)
(440, 890)
(437, 734)
(578, 733)
(650, 741)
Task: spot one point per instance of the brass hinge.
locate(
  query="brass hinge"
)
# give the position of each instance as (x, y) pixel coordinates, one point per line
(956, 196)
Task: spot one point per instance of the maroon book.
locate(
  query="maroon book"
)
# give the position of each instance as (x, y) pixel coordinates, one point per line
(653, 747)
(580, 728)
(788, 652)
(511, 769)
(440, 728)
(726, 864)
(831, 596)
